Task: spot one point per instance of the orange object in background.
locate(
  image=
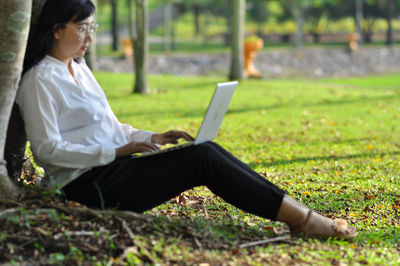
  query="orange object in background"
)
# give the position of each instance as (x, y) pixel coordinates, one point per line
(353, 42)
(127, 45)
(250, 49)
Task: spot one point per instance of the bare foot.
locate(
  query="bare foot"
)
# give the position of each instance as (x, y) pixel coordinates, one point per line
(316, 225)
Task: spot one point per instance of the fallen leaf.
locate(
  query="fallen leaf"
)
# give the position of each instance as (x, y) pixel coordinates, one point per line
(71, 203)
(92, 248)
(268, 228)
(41, 231)
(368, 209)
(181, 200)
(369, 196)
(315, 170)
(249, 223)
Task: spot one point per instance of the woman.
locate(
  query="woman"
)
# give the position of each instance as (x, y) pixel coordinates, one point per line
(77, 139)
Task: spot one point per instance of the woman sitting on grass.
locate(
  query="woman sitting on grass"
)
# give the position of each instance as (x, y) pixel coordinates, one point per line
(86, 151)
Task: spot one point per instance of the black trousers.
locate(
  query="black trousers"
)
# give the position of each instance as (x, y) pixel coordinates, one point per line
(139, 184)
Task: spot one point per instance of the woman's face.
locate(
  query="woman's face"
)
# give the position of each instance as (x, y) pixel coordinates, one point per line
(73, 40)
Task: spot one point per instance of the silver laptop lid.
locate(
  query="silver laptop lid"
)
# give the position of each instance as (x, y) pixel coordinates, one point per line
(216, 111)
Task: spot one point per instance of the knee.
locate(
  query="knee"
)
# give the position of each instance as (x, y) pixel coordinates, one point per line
(204, 149)
(205, 152)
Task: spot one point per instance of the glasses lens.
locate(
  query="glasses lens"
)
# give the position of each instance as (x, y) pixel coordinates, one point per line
(93, 28)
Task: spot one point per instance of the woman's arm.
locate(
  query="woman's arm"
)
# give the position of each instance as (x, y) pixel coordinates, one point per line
(40, 105)
(135, 147)
(170, 137)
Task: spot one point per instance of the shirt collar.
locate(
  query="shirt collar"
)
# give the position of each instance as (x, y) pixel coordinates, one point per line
(55, 61)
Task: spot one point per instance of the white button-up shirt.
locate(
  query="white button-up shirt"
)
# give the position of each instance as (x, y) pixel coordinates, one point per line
(70, 125)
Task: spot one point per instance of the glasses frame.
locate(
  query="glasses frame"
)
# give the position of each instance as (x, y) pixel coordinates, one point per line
(82, 32)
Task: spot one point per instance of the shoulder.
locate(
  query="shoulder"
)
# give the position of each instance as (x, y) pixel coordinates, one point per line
(46, 71)
(40, 79)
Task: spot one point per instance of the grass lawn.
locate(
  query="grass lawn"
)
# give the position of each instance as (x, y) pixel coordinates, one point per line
(333, 144)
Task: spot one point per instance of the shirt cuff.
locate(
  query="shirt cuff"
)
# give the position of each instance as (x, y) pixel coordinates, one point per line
(108, 155)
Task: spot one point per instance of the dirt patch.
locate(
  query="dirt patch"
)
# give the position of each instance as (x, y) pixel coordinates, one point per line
(315, 62)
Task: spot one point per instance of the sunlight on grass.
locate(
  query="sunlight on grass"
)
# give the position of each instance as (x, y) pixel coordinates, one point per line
(333, 144)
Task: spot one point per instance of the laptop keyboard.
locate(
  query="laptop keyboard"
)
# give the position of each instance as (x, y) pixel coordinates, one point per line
(172, 148)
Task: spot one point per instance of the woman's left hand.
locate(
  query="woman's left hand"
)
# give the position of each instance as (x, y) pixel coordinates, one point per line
(170, 137)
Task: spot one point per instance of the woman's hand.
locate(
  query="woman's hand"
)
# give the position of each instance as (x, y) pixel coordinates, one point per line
(135, 147)
(170, 137)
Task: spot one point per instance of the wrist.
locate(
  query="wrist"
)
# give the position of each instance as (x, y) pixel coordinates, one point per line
(155, 138)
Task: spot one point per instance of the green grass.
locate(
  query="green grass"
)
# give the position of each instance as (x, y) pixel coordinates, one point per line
(333, 144)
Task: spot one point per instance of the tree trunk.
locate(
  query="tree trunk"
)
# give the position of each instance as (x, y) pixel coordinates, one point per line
(141, 47)
(131, 23)
(359, 19)
(300, 19)
(91, 55)
(114, 25)
(167, 9)
(389, 16)
(205, 27)
(196, 14)
(228, 19)
(238, 18)
(14, 23)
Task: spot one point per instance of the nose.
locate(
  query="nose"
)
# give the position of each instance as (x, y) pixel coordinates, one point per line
(90, 37)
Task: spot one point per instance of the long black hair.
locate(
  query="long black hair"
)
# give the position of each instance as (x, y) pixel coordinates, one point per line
(54, 15)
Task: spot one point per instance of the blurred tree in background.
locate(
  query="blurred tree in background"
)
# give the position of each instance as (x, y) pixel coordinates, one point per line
(299, 21)
(174, 24)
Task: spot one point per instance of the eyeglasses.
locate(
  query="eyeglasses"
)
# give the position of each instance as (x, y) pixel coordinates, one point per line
(84, 30)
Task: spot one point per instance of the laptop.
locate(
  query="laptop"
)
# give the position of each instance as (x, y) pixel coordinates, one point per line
(212, 119)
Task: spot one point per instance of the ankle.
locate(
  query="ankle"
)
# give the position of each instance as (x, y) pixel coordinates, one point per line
(292, 212)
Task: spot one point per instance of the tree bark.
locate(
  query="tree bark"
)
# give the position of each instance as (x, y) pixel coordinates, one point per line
(114, 25)
(238, 18)
(141, 47)
(15, 16)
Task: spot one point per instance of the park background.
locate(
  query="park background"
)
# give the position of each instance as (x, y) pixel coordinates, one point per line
(321, 122)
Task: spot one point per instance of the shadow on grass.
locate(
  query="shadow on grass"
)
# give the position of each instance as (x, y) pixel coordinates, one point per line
(155, 89)
(199, 112)
(336, 141)
(323, 158)
(221, 233)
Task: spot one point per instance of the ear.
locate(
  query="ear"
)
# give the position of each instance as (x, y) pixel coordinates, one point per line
(57, 32)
